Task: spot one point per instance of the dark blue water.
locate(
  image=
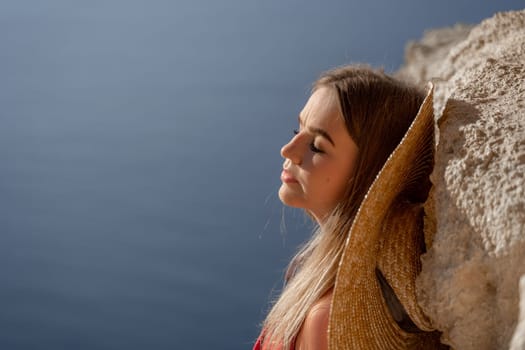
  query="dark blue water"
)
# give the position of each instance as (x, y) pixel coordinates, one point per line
(139, 159)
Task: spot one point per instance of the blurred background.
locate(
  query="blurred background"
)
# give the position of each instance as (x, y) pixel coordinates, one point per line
(139, 158)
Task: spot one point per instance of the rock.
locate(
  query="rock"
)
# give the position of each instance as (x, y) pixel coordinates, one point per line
(424, 58)
(476, 212)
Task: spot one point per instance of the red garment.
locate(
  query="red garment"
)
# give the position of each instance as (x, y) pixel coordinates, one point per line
(259, 345)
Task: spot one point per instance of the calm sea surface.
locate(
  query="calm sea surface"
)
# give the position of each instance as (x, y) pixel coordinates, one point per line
(139, 159)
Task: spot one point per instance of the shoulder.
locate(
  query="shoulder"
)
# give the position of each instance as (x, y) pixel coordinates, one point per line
(314, 332)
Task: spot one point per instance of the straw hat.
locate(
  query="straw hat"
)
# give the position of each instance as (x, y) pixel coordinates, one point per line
(374, 301)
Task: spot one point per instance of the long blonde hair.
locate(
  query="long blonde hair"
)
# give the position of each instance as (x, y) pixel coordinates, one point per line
(377, 111)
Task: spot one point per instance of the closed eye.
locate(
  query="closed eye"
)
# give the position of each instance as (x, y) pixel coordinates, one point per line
(312, 146)
(315, 149)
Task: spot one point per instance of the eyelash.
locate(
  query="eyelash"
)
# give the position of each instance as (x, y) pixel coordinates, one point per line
(312, 145)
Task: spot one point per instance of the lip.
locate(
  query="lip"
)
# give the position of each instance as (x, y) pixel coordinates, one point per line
(288, 178)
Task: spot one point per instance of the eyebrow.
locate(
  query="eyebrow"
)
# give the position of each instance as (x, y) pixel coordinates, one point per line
(318, 131)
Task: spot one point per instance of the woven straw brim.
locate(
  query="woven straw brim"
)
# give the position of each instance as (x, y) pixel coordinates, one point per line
(387, 235)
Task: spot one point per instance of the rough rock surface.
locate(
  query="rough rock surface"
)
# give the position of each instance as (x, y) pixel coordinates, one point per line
(469, 285)
(425, 57)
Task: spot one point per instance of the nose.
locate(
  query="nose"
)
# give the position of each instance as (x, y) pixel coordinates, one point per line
(291, 151)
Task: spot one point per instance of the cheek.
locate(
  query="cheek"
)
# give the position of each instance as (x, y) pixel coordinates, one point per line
(329, 181)
(335, 183)
(336, 186)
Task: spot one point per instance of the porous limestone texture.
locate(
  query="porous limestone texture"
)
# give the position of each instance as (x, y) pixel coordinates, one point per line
(469, 285)
(424, 58)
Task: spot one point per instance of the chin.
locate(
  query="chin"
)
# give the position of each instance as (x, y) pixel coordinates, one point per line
(289, 198)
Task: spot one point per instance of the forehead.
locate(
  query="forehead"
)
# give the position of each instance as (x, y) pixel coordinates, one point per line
(322, 109)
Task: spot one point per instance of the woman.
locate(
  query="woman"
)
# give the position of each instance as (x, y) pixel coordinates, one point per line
(353, 120)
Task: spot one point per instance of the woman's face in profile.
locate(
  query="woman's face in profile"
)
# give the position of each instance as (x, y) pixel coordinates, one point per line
(319, 159)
